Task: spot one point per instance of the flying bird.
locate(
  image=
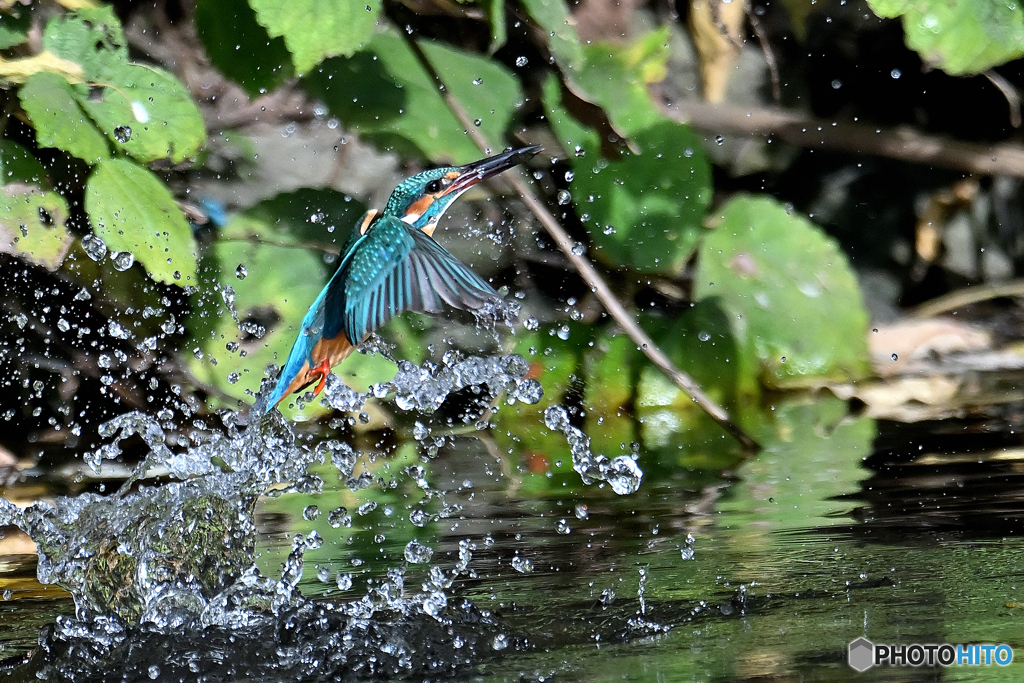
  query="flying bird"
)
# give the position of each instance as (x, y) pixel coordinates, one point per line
(391, 264)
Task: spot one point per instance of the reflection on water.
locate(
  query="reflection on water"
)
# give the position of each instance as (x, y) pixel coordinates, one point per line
(443, 556)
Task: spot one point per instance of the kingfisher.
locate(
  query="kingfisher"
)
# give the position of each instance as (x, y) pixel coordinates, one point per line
(389, 265)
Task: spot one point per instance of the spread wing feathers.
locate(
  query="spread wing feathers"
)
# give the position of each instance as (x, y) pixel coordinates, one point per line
(396, 269)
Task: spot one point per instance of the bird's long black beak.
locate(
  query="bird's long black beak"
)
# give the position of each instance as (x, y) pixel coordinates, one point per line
(473, 173)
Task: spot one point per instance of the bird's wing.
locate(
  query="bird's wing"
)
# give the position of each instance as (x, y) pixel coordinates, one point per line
(394, 269)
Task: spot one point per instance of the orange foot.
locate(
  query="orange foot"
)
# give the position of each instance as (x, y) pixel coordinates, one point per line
(323, 369)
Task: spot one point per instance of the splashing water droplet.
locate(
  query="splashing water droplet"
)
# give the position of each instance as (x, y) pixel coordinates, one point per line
(241, 271)
(417, 553)
(522, 565)
(522, 61)
(122, 260)
(123, 134)
(564, 197)
(94, 247)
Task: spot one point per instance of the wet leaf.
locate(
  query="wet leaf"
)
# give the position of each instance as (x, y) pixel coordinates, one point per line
(645, 210)
(495, 10)
(795, 308)
(90, 37)
(383, 93)
(32, 224)
(51, 104)
(14, 27)
(147, 113)
(131, 210)
(141, 109)
(700, 342)
(17, 165)
(616, 77)
(280, 285)
(553, 16)
(314, 30)
(960, 37)
(610, 371)
(240, 47)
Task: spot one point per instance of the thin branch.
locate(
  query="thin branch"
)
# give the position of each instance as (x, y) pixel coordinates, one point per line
(901, 143)
(589, 273)
(971, 295)
(769, 54)
(1009, 92)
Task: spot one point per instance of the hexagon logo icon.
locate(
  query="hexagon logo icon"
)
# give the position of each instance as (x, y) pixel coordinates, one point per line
(861, 654)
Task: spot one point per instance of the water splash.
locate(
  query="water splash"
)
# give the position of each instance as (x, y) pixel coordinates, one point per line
(622, 473)
(176, 559)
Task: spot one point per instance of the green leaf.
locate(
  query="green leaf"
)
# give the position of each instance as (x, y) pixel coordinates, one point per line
(143, 110)
(14, 27)
(795, 307)
(32, 224)
(90, 37)
(495, 10)
(240, 47)
(961, 37)
(132, 210)
(313, 29)
(51, 104)
(646, 210)
(17, 165)
(383, 93)
(146, 112)
(553, 16)
(616, 77)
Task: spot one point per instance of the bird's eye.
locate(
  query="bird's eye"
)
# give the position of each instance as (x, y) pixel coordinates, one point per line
(434, 186)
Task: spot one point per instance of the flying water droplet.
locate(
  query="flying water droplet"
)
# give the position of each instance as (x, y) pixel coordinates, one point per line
(417, 553)
(522, 565)
(522, 61)
(122, 260)
(94, 247)
(564, 197)
(123, 134)
(241, 271)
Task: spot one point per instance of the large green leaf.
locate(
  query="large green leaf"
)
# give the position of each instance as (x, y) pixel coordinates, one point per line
(795, 308)
(32, 224)
(553, 16)
(142, 109)
(616, 77)
(313, 29)
(146, 112)
(240, 48)
(17, 165)
(51, 104)
(131, 210)
(959, 36)
(90, 37)
(384, 94)
(645, 210)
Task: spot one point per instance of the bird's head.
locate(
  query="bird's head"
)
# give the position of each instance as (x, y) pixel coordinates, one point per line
(421, 200)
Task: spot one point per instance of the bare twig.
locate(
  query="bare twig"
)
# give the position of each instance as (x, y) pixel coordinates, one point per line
(769, 54)
(1009, 92)
(901, 143)
(589, 273)
(971, 295)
